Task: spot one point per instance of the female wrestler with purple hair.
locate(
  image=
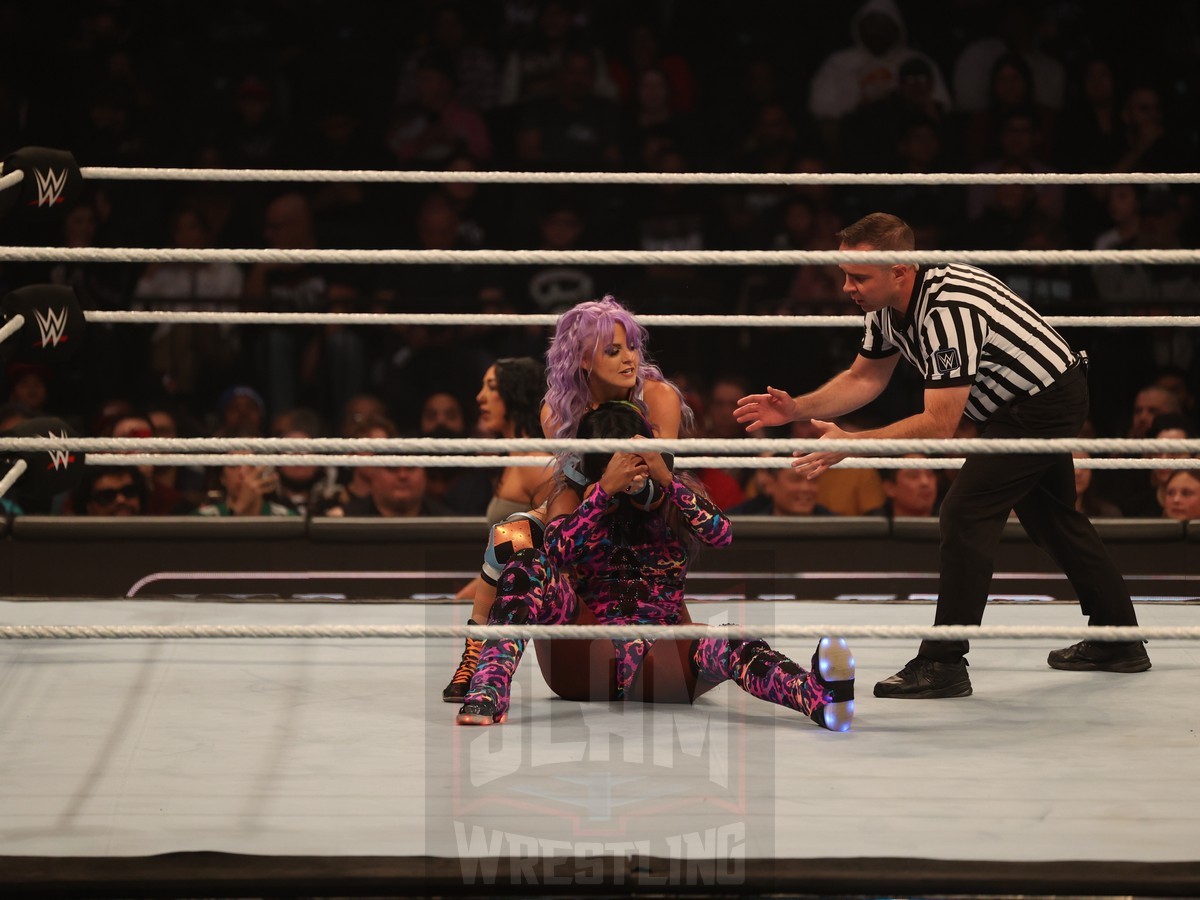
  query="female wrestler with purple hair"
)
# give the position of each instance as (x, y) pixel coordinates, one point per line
(613, 561)
(598, 353)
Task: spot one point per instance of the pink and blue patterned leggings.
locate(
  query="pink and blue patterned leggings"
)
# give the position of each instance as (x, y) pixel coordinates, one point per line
(530, 593)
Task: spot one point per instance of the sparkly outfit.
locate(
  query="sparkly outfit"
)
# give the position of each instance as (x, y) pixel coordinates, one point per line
(628, 568)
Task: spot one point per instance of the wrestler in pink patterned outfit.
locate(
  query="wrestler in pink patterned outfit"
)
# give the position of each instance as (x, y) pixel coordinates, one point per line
(628, 566)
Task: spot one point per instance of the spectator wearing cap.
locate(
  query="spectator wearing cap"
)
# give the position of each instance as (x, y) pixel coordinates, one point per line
(242, 411)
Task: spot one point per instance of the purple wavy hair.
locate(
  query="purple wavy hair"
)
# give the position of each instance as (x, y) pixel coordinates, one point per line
(581, 331)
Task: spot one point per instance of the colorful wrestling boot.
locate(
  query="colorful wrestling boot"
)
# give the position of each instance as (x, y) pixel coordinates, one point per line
(827, 694)
(481, 711)
(456, 690)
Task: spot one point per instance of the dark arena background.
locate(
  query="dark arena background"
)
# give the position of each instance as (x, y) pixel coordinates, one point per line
(248, 249)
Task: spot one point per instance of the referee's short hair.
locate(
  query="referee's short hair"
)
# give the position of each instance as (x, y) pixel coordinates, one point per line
(880, 230)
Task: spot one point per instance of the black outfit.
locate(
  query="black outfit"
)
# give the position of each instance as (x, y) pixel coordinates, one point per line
(964, 326)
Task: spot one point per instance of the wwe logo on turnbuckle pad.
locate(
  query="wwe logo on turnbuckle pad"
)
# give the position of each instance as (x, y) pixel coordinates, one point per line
(51, 326)
(50, 185)
(59, 459)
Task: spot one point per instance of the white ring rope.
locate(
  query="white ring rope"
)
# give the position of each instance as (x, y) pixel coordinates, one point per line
(442, 461)
(364, 176)
(237, 317)
(597, 257)
(591, 632)
(951, 446)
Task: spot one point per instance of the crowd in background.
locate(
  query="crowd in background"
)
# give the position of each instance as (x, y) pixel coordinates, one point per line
(1006, 86)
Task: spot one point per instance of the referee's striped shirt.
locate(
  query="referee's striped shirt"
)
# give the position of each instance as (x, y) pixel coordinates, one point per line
(966, 326)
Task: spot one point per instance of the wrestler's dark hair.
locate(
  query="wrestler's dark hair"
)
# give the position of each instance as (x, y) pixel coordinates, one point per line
(616, 419)
(521, 383)
(622, 419)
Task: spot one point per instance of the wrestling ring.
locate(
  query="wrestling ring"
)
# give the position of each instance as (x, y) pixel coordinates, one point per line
(204, 746)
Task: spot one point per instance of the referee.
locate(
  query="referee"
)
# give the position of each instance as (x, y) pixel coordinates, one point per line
(983, 352)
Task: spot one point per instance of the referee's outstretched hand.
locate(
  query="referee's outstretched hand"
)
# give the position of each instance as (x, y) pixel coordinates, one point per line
(817, 462)
(775, 407)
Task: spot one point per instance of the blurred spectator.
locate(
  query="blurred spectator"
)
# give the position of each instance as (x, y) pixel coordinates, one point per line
(355, 480)
(247, 491)
(1160, 227)
(188, 481)
(1148, 144)
(1123, 208)
(304, 487)
(1151, 402)
(358, 410)
(913, 99)
(463, 490)
(644, 53)
(161, 497)
(1018, 34)
(13, 414)
(454, 38)
(472, 206)
(436, 125)
(1168, 427)
(253, 136)
(574, 128)
(654, 124)
(285, 287)
(109, 491)
(1019, 150)
(911, 493)
(1087, 500)
(724, 486)
(190, 359)
(393, 492)
(1182, 495)
(1139, 493)
(867, 70)
(553, 289)
(791, 494)
(29, 389)
(534, 71)
(844, 492)
(242, 413)
(442, 409)
(1010, 90)
(1175, 380)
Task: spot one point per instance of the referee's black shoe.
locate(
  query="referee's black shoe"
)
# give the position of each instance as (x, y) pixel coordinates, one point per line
(926, 679)
(1098, 656)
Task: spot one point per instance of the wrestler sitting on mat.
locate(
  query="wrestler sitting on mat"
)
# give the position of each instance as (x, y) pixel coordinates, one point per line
(612, 562)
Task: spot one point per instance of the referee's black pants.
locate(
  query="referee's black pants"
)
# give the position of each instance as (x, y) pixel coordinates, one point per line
(1041, 489)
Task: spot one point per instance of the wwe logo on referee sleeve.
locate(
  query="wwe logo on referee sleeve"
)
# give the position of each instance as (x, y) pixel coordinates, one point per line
(50, 185)
(946, 359)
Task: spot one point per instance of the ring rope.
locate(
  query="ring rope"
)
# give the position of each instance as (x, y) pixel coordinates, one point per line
(362, 176)
(596, 257)
(950, 446)
(592, 632)
(532, 462)
(232, 317)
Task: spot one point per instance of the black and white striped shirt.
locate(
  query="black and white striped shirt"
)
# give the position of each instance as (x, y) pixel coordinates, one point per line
(966, 326)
